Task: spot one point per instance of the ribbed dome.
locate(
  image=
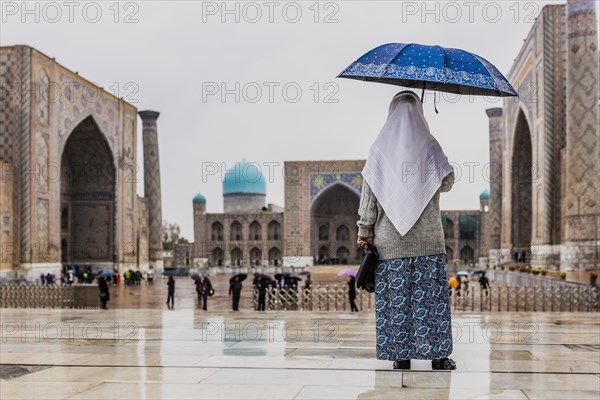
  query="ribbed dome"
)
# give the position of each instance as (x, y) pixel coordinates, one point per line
(245, 177)
(199, 198)
(484, 195)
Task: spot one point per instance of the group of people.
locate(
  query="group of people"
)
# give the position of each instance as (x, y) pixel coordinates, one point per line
(460, 283)
(48, 279)
(136, 277)
(520, 256)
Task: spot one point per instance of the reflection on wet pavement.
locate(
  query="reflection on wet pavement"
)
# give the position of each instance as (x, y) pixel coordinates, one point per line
(188, 353)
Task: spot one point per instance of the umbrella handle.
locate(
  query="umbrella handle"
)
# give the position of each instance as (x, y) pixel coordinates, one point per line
(423, 92)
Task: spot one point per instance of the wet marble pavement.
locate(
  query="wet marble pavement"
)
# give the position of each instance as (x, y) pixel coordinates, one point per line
(191, 354)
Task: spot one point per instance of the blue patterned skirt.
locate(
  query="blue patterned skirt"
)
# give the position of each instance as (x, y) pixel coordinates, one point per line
(412, 308)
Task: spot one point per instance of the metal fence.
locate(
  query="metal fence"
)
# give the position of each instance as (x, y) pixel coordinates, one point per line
(49, 296)
(537, 299)
(498, 298)
(317, 298)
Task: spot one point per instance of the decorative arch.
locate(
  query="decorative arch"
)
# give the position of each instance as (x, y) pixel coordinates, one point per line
(235, 231)
(521, 190)
(467, 254)
(255, 231)
(218, 255)
(333, 185)
(236, 257)
(255, 256)
(88, 194)
(216, 231)
(274, 231)
(75, 123)
(274, 256)
(335, 206)
(342, 233)
(324, 232)
(324, 255)
(343, 255)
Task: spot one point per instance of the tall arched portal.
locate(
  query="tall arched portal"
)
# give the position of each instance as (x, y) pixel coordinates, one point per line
(521, 175)
(87, 197)
(336, 211)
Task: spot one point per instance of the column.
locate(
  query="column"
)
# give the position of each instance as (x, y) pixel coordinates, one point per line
(494, 217)
(152, 186)
(582, 207)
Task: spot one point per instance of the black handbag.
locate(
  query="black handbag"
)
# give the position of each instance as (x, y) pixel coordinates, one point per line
(365, 278)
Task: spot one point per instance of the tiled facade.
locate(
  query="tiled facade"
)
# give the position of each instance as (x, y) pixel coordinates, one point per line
(546, 195)
(241, 239)
(43, 106)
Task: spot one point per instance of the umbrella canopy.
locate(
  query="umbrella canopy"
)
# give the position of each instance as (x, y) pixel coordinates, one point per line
(240, 277)
(294, 278)
(261, 277)
(106, 273)
(304, 273)
(280, 275)
(430, 67)
(462, 273)
(195, 276)
(349, 272)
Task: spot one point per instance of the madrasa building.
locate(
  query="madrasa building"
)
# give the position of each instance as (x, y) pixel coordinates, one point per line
(68, 162)
(316, 226)
(545, 146)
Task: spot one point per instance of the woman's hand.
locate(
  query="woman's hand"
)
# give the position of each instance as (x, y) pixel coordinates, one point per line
(363, 241)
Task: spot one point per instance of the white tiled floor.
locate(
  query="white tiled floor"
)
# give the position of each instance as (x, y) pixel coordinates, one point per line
(188, 354)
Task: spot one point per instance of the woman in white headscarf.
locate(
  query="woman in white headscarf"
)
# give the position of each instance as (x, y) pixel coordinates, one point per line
(399, 213)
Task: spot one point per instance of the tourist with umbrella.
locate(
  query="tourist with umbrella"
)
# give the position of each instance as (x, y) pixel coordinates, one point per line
(104, 293)
(351, 287)
(262, 284)
(235, 290)
(405, 172)
(204, 289)
(282, 279)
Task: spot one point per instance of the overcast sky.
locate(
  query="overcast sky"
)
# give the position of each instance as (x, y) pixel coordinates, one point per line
(177, 57)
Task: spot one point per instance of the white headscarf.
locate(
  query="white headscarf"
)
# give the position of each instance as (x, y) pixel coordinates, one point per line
(406, 164)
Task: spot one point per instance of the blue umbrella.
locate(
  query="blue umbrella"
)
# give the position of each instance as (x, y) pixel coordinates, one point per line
(430, 67)
(106, 273)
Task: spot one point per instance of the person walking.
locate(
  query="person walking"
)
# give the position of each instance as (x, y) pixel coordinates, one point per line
(307, 292)
(399, 213)
(352, 293)
(104, 293)
(206, 288)
(171, 292)
(262, 293)
(484, 284)
(235, 290)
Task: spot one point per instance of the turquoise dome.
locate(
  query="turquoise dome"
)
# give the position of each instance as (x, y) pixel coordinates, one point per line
(484, 195)
(245, 177)
(199, 198)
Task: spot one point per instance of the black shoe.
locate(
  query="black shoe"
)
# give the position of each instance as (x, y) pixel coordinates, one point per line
(444, 364)
(402, 364)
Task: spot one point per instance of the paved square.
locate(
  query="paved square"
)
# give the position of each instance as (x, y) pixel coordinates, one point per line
(185, 354)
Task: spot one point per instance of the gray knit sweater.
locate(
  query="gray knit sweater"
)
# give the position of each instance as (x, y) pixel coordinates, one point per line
(425, 238)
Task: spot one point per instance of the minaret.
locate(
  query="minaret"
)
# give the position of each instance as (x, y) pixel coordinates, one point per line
(152, 186)
(494, 218)
(582, 199)
(199, 205)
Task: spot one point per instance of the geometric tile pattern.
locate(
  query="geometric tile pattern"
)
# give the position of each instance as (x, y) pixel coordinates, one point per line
(583, 127)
